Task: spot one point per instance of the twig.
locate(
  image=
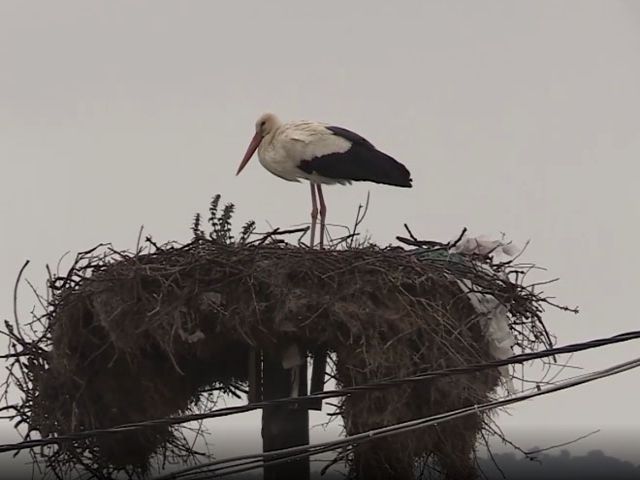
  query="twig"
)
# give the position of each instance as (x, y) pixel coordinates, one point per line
(149, 240)
(361, 213)
(459, 239)
(15, 298)
(410, 242)
(564, 444)
(413, 237)
(138, 240)
(276, 231)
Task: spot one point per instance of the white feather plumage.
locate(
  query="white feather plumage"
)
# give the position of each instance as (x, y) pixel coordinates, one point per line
(282, 150)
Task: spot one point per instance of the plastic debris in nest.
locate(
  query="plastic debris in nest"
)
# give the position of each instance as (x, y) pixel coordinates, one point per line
(495, 323)
(484, 246)
(494, 314)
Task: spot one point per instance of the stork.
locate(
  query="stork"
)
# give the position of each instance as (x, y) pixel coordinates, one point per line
(321, 154)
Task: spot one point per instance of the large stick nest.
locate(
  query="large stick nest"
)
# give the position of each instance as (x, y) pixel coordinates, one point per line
(145, 335)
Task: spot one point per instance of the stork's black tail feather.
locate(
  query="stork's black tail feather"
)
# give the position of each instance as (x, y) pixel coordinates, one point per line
(381, 168)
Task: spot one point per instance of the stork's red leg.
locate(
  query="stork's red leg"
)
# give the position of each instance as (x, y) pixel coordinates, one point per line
(314, 213)
(323, 214)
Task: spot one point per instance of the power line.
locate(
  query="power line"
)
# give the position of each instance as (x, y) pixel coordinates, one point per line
(245, 463)
(221, 412)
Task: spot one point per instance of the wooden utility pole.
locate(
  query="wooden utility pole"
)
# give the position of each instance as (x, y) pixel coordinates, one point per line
(286, 425)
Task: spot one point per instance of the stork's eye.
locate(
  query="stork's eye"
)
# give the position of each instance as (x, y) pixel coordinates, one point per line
(263, 123)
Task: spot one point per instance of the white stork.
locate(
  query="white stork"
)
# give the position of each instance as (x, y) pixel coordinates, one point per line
(322, 154)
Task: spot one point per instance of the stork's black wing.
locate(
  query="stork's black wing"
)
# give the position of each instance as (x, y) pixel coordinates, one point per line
(362, 162)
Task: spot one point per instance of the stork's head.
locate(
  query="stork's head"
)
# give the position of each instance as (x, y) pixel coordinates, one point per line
(265, 125)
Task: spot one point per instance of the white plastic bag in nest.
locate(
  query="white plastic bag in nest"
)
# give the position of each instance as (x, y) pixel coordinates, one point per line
(483, 245)
(495, 326)
(495, 316)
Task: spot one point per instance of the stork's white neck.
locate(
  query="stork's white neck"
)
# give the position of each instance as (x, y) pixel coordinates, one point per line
(267, 140)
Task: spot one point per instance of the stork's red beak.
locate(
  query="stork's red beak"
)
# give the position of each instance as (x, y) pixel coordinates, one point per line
(255, 142)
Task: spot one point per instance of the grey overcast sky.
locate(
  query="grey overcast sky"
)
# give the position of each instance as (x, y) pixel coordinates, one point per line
(515, 117)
